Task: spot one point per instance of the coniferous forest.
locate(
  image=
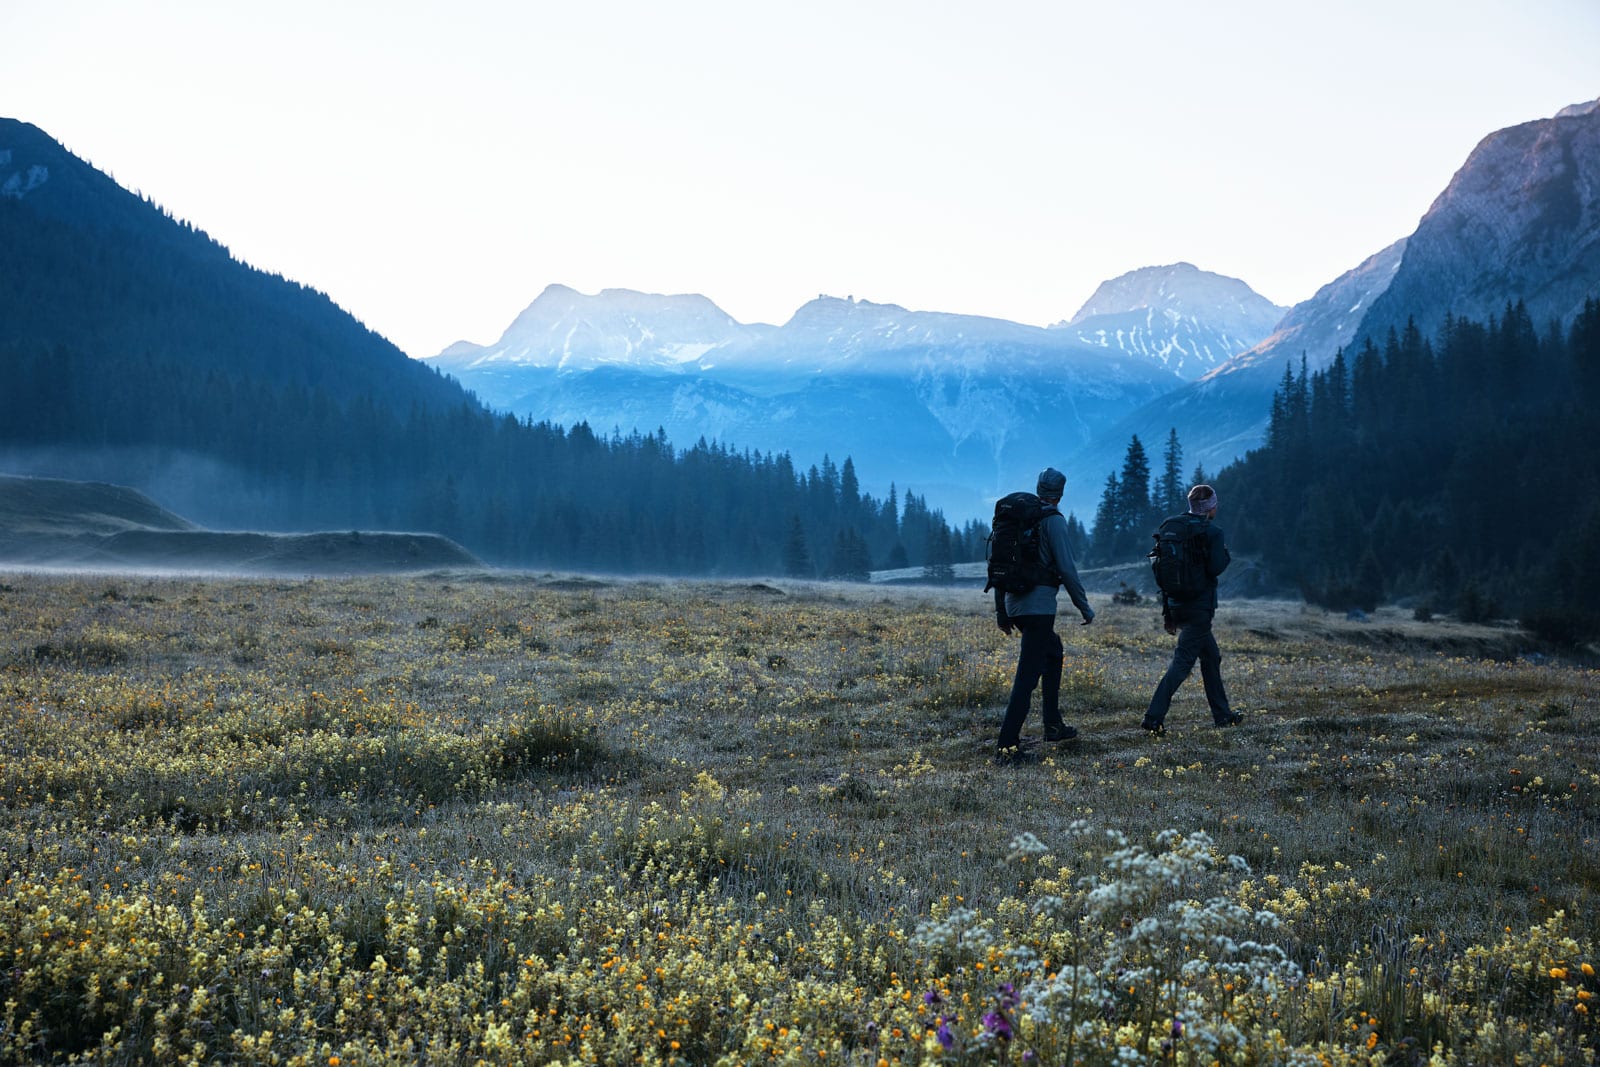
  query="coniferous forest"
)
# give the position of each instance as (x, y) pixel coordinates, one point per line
(1455, 474)
(512, 492)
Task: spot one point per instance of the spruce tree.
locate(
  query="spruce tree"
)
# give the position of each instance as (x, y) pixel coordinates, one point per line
(939, 566)
(849, 491)
(858, 562)
(897, 558)
(1583, 347)
(1103, 539)
(1134, 513)
(850, 561)
(1173, 492)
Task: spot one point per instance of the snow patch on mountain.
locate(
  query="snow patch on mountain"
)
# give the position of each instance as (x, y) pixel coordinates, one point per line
(568, 330)
(1184, 319)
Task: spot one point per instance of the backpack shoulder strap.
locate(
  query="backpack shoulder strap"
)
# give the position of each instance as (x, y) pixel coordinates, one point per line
(1196, 536)
(1053, 567)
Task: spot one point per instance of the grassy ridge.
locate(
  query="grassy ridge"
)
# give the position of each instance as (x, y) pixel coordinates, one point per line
(522, 820)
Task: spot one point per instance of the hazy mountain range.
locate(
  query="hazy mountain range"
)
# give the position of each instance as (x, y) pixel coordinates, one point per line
(965, 408)
(955, 406)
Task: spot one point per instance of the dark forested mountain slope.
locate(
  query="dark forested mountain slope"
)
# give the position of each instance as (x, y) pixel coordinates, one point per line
(87, 265)
(136, 350)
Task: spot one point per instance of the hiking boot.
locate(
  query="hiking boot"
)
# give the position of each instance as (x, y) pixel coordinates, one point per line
(1060, 734)
(1233, 718)
(1155, 728)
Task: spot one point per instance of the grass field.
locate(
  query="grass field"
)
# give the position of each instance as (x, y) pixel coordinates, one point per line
(513, 819)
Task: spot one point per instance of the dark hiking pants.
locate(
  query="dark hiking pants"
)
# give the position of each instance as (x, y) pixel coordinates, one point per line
(1195, 642)
(1038, 664)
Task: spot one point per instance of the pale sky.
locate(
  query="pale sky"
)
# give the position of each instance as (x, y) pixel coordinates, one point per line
(432, 167)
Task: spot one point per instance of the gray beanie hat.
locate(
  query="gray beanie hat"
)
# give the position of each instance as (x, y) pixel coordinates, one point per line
(1051, 482)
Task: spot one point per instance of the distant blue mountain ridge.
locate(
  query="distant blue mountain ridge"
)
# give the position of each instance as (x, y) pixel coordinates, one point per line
(958, 408)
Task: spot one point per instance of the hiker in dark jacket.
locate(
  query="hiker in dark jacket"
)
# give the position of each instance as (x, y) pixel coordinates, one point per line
(1033, 613)
(1191, 621)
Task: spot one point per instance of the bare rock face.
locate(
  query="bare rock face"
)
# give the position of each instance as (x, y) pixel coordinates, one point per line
(1519, 221)
(1316, 328)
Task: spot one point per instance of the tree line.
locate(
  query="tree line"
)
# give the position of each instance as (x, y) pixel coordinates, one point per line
(513, 492)
(1453, 473)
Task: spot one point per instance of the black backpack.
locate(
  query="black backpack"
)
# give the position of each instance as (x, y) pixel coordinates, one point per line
(1178, 559)
(1016, 564)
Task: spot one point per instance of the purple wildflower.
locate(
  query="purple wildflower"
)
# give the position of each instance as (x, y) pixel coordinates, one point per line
(932, 997)
(998, 1025)
(946, 1038)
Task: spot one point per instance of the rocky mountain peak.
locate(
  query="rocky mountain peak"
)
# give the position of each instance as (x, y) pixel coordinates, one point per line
(1519, 221)
(1181, 288)
(1186, 319)
(1574, 110)
(568, 329)
(830, 312)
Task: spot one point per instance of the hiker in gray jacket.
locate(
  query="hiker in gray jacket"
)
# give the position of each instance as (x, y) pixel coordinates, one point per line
(1040, 659)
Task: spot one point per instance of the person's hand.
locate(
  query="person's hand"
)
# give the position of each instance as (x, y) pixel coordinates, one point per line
(1169, 625)
(1004, 622)
(1088, 617)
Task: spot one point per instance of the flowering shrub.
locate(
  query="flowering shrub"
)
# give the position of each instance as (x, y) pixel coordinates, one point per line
(1127, 958)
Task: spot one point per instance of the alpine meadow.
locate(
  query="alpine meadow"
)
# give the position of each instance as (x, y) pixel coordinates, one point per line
(499, 819)
(644, 685)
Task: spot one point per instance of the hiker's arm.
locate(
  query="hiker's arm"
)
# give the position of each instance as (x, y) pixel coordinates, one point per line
(1055, 531)
(1001, 619)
